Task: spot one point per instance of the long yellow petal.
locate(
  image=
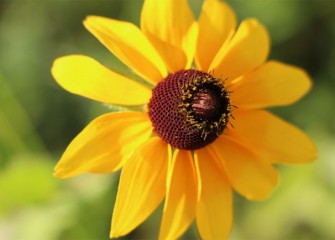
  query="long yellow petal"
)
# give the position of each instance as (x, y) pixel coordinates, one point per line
(216, 22)
(129, 44)
(272, 84)
(181, 196)
(215, 204)
(190, 42)
(105, 144)
(247, 49)
(272, 138)
(142, 186)
(170, 21)
(250, 176)
(86, 77)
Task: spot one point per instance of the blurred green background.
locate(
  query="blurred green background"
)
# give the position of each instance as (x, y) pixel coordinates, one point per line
(38, 119)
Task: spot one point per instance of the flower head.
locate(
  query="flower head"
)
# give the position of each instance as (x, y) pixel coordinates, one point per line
(202, 132)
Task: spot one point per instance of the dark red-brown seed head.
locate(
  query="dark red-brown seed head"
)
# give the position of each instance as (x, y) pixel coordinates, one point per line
(189, 109)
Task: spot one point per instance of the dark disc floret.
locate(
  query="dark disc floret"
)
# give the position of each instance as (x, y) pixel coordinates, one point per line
(189, 109)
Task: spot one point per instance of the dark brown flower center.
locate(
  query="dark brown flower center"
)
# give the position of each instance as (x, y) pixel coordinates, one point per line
(189, 109)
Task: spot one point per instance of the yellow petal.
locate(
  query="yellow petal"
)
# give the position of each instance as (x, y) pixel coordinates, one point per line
(189, 43)
(172, 22)
(142, 186)
(181, 196)
(215, 205)
(86, 77)
(273, 139)
(248, 49)
(174, 57)
(105, 144)
(251, 177)
(129, 44)
(216, 22)
(273, 84)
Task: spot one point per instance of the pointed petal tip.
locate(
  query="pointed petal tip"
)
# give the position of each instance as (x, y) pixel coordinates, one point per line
(311, 151)
(59, 173)
(86, 21)
(313, 154)
(112, 234)
(54, 67)
(306, 83)
(316, 154)
(90, 18)
(117, 231)
(259, 198)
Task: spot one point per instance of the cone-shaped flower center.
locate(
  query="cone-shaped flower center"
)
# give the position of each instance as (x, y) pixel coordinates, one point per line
(189, 109)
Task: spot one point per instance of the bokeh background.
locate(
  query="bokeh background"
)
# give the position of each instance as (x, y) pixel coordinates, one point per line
(38, 119)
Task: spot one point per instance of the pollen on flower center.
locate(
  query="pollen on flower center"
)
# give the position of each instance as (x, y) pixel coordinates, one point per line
(189, 109)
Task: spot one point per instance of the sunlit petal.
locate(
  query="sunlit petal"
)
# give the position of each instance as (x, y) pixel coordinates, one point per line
(216, 22)
(272, 138)
(142, 186)
(174, 57)
(181, 196)
(272, 84)
(129, 44)
(172, 22)
(251, 177)
(105, 144)
(86, 77)
(189, 43)
(247, 49)
(215, 205)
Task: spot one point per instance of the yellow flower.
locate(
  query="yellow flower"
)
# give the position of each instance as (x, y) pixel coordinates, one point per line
(202, 131)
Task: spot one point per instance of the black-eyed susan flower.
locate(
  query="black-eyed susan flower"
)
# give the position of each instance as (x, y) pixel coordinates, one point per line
(202, 131)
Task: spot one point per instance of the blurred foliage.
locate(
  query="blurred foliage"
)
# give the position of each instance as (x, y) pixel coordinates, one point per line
(38, 119)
